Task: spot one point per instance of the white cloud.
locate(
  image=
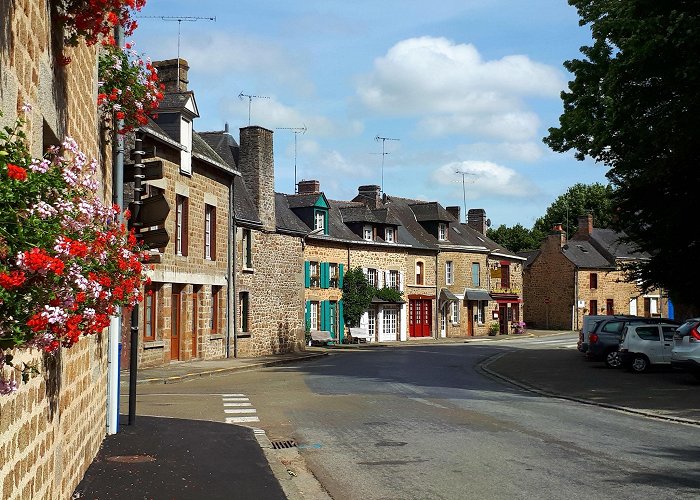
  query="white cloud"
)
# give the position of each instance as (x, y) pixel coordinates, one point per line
(456, 90)
(528, 151)
(485, 178)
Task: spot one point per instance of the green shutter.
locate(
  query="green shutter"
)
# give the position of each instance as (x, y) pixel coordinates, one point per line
(340, 275)
(307, 316)
(341, 321)
(307, 274)
(325, 274)
(325, 222)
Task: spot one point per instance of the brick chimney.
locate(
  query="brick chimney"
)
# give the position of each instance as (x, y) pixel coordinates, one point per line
(256, 164)
(309, 187)
(454, 212)
(369, 195)
(172, 75)
(558, 232)
(585, 227)
(476, 219)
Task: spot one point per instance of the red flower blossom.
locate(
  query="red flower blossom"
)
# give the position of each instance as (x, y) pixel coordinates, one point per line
(15, 172)
(12, 280)
(38, 322)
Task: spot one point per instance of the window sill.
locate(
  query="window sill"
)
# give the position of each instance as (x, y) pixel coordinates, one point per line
(216, 337)
(249, 270)
(153, 344)
(243, 336)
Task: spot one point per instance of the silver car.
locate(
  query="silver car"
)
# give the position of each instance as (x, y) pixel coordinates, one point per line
(686, 347)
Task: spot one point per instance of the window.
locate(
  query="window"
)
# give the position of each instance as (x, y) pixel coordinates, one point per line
(480, 311)
(390, 325)
(505, 276)
(594, 280)
(320, 220)
(149, 313)
(669, 332)
(372, 321)
(442, 231)
(372, 277)
(186, 140)
(209, 232)
(454, 312)
(247, 249)
(419, 273)
(448, 272)
(648, 332)
(181, 216)
(389, 234)
(593, 307)
(314, 276)
(333, 275)
(367, 233)
(214, 320)
(244, 301)
(476, 274)
(609, 307)
(394, 280)
(313, 314)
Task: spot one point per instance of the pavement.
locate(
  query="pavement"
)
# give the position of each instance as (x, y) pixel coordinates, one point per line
(163, 458)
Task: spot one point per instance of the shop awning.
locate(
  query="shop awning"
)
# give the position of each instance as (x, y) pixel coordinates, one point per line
(447, 296)
(476, 294)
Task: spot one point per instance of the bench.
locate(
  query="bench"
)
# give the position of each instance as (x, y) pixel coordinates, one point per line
(321, 336)
(360, 333)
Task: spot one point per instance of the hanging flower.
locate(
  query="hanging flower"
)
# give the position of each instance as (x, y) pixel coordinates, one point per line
(95, 19)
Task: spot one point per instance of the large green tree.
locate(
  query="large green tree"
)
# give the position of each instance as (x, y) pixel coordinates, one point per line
(357, 295)
(634, 105)
(516, 238)
(579, 199)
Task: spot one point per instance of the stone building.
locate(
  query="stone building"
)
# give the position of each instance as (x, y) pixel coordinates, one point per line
(52, 427)
(564, 280)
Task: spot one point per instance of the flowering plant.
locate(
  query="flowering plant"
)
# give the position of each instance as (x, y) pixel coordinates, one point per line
(92, 19)
(128, 86)
(66, 261)
(519, 327)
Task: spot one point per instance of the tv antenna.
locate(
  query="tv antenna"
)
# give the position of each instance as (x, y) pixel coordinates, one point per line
(250, 100)
(297, 131)
(384, 139)
(179, 20)
(464, 190)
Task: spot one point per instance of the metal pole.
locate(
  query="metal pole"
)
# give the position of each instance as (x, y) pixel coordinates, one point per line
(136, 217)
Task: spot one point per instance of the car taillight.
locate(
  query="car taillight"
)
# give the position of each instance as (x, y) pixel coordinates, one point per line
(594, 338)
(695, 334)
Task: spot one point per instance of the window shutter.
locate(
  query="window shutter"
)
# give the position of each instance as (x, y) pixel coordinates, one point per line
(185, 226)
(307, 274)
(324, 315)
(341, 321)
(340, 275)
(307, 315)
(213, 233)
(401, 281)
(325, 274)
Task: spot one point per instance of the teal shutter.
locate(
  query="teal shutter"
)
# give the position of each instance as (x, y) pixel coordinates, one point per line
(325, 315)
(307, 274)
(325, 222)
(340, 275)
(325, 274)
(341, 321)
(307, 316)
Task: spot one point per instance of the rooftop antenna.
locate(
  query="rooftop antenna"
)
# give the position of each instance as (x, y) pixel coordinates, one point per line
(297, 131)
(384, 139)
(250, 100)
(464, 190)
(179, 20)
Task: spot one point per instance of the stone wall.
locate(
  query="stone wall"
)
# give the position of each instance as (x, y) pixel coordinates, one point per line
(51, 429)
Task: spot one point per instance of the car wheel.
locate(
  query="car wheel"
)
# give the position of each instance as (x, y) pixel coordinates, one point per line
(640, 363)
(613, 359)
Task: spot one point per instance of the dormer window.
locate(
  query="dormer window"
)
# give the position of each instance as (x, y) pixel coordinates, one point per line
(320, 217)
(367, 233)
(442, 231)
(389, 235)
(186, 141)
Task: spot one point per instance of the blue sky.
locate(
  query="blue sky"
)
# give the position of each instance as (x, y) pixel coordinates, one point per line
(466, 85)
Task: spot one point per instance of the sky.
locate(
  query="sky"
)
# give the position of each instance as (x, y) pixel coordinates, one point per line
(455, 86)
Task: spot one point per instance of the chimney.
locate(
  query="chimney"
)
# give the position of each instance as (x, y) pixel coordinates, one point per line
(225, 127)
(308, 187)
(557, 231)
(585, 227)
(476, 219)
(454, 212)
(173, 74)
(256, 164)
(369, 195)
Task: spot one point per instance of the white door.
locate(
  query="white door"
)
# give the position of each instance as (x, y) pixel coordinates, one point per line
(633, 306)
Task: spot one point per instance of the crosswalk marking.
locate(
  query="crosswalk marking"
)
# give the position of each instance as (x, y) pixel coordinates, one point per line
(240, 410)
(235, 399)
(233, 395)
(238, 404)
(241, 420)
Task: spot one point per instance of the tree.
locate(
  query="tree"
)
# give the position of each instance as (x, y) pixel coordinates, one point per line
(579, 199)
(516, 238)
(357, 295)
(633, 105)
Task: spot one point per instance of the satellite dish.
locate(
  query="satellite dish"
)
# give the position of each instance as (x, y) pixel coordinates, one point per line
(488, 222)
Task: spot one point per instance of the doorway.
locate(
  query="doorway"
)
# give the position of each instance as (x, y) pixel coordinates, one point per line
(175, 327)
(195, 320)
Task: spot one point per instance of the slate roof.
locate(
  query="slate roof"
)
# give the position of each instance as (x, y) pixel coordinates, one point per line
(584, 255)
(302, 200)
(244, 209)
(410, 230)
(285, 219)
(175, 101)
(357, 212)
(223, 143)
(202, 151)
(155, 131)
(482, 239)
(336, 223)
(384, 216)
(612, 242)
(530, 255)
(430, 211)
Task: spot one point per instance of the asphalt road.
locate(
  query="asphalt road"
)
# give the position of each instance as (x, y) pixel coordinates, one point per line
(425, 422)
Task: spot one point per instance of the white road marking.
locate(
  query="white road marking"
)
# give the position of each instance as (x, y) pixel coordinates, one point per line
(238, 404)
(241, 420)
(240, 410)
(233, 395)
(235, 399)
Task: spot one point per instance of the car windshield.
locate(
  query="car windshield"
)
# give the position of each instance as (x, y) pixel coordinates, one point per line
(684, 329)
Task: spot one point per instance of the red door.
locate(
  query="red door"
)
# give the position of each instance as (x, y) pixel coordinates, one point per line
(419, 317)
(175, 310)
(195, 318)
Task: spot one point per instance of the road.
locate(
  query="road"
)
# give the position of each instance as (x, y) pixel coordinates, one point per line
(424, 422)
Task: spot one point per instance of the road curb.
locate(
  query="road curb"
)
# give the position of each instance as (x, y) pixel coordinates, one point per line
(209, 373)
(484, 368)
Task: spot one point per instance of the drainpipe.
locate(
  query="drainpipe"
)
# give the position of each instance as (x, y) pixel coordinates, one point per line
(114, 332)
(231, 324)
(576, 269)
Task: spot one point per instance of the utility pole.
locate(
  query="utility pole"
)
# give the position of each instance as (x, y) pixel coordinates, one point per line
(250, 100)
(464, 190)
(297, 131)
(384, 139)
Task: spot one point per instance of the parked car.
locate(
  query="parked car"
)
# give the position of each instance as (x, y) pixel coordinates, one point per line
(604, 341)
(590, 321)
(644, 345)
(686, 347)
